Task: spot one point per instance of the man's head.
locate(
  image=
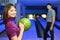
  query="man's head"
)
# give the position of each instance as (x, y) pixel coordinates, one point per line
(49, 6)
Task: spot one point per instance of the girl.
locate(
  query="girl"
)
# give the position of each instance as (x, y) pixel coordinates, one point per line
(13, 31)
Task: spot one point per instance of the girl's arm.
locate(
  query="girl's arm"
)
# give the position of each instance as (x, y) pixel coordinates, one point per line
(21, 26)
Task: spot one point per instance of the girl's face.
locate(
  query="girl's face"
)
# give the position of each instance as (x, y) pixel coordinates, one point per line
(12, 12)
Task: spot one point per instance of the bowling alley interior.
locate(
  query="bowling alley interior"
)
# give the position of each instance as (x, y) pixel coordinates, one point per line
(36, 11)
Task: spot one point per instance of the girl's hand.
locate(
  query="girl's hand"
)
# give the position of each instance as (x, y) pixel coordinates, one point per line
(21, 26)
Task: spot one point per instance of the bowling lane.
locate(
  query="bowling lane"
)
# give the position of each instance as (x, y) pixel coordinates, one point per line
(1, 21)
(56, 34)
(4, 38)
(31, 33)
(2, 28)
(56, 31)
(57, 23)
(43, 22)
(39, 28)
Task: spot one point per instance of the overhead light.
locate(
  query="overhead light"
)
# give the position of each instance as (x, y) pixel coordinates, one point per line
(4, 2)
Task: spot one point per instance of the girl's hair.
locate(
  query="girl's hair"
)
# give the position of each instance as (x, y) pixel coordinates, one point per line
(5, 15)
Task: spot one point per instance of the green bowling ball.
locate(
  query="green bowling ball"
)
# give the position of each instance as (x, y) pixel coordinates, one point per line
(26, 22)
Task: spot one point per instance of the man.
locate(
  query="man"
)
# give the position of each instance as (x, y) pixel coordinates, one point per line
(50, 22)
